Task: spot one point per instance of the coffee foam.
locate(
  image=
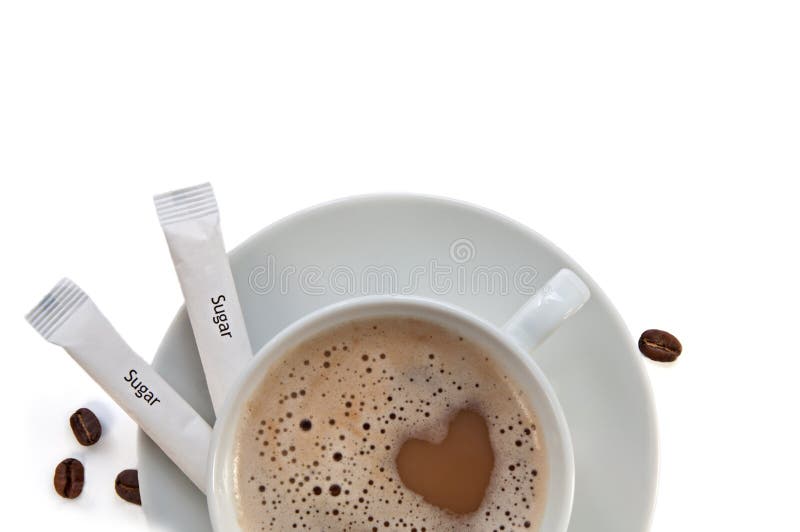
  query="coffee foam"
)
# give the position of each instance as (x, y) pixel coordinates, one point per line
(316, 447)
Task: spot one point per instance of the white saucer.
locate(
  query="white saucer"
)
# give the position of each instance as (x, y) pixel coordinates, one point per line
(591, 361)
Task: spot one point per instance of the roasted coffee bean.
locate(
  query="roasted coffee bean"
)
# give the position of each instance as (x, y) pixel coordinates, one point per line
(86, 427)
(660, 346)
(68, 479)
(127, 486)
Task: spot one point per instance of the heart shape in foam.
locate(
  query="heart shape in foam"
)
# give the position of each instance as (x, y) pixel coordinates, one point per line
(453, 474)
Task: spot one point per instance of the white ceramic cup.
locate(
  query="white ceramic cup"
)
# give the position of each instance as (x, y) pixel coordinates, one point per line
(509, 346)
(68, 318)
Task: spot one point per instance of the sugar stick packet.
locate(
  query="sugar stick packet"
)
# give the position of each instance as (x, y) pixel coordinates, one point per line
(67, 317)
(190, 220)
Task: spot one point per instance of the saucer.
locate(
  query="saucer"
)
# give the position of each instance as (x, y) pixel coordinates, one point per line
(460, 254)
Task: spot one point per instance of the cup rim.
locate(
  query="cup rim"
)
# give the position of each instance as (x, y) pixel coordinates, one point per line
(222, 507)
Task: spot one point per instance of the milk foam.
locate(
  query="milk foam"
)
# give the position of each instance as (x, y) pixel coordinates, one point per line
(316, 447)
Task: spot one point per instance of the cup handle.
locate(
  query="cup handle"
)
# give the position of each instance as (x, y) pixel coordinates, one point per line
(560, 297)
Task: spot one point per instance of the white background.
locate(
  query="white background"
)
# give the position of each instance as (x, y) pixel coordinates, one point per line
(658, 143)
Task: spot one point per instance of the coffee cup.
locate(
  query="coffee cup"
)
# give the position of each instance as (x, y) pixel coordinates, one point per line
(208, 458)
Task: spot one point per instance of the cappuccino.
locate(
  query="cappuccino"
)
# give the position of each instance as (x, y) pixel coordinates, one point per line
(386, 424)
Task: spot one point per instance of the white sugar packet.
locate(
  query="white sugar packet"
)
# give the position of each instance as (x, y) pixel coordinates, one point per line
(68, 318)
(190, 219)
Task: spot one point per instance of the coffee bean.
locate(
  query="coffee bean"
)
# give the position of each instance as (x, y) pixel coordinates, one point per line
(68, 480)
(86, 427)
(660, 346)
(127, 486)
